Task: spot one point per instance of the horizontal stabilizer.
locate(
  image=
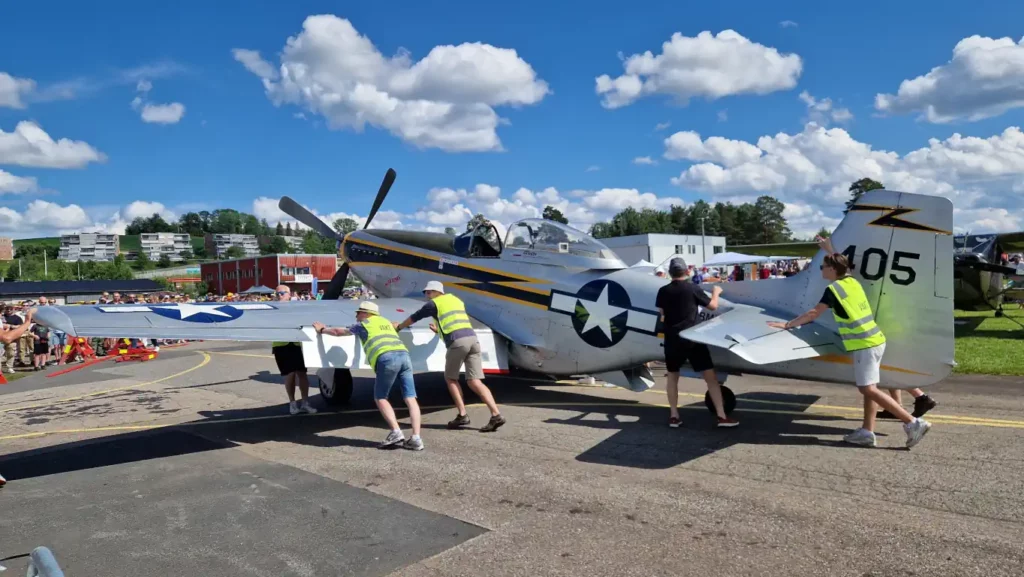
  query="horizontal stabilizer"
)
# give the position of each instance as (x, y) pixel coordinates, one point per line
(426, 350)
(744, 331)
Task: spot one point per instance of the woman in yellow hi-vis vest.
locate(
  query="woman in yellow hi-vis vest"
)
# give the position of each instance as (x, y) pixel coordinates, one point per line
(387, 356)
(862, 337)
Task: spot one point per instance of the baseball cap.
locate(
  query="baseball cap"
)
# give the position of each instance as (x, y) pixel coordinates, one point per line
(434, 286)
(676, 265)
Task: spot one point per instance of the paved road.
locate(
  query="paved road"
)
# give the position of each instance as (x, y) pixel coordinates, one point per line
(192, 461)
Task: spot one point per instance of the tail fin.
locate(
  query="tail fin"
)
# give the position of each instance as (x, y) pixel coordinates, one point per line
(901, 247)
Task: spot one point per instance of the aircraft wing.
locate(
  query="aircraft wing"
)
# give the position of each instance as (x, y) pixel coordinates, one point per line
(242, 321)
(744, 331)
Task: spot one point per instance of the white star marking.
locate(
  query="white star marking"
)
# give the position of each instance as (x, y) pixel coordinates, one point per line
(600, 313)
(187, 310)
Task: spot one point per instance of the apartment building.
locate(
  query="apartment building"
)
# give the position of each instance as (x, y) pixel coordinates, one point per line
(218, 244)
(170, 244)
(98, 247)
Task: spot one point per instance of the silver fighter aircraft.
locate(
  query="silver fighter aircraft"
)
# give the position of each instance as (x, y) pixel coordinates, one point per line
(556, 301)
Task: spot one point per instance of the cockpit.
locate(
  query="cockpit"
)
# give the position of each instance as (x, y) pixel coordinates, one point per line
(542, 235)
(481, 242)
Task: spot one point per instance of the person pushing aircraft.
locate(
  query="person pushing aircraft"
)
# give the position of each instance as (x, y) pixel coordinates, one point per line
(386, 354)
(862, 337)
(452, 323)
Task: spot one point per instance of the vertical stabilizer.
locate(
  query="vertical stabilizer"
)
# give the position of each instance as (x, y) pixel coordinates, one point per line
(901, 247)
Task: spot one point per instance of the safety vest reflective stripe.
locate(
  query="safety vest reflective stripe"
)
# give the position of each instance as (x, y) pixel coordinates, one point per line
(281, 344)
(381, 338)
(860, 330)
(451, 314)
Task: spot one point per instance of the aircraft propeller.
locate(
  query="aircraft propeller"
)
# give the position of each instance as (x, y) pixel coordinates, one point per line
(299, 213)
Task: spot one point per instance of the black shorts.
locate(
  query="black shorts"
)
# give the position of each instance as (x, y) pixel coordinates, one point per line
(678, 351)
(289, 359)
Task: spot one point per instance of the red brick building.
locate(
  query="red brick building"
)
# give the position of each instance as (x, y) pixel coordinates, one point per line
(295, 270)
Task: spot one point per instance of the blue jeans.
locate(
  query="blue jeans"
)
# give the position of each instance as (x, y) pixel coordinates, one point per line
(392, 367)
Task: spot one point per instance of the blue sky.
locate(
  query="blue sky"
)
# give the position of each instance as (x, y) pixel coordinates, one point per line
(233, 146)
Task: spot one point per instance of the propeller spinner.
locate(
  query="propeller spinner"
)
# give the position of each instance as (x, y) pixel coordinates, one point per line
(299, 213)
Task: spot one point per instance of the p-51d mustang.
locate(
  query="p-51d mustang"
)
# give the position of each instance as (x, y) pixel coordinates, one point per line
(551, 299)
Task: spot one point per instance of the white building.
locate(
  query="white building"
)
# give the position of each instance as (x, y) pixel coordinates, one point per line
(247, 242)
(159, 244)
(295, 242)
(89, 247)
(656, 248)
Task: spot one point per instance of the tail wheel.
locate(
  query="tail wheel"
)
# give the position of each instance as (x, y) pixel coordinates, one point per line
(335, 386)
(728, 400)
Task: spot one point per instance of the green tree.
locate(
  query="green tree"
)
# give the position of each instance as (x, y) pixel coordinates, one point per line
(344, 226)
(278, 245)
(143, 262)
(164, 261)
(234, 251)
(552, 213)
(858, 188)
(449, 230)
(186, 254)
(265, 229)
(280, 229)
(824, 232)
(192, 223)
(476, 221)
(771, 224)
(288, 229)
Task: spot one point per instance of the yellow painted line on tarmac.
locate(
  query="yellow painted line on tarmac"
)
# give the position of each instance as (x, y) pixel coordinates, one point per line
(203, 363)
(813, 412)
(933, 417)
(242, 355)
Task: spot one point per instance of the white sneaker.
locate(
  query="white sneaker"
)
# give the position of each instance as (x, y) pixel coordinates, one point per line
(293, 408)
(862, 437)
(916, 431)
(306, 408)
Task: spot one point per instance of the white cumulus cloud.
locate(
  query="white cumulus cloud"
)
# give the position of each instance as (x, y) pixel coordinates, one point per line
(822, 111)
(984, 78)
(14, 90)
(30, 145)
(17, 184)
(163, 113)
(709, 66)
(644, 160)
(812, 170)
(445, 100)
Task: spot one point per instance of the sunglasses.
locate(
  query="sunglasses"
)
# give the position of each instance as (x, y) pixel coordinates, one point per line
(282, 293)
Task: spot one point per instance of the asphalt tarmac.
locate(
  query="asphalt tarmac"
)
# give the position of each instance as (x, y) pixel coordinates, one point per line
(190, 464)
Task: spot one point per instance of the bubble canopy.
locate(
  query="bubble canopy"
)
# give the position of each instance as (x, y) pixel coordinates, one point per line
(540, 234)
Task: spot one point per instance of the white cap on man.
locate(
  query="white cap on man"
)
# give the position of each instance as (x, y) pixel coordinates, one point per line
(434, 285)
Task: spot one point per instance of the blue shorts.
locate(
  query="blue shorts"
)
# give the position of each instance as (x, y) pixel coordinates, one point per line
(394, 367)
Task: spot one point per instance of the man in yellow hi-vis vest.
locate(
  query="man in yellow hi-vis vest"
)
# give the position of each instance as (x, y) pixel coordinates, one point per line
(386, 354)
(452, 322)
(292, 365)
(862, 337)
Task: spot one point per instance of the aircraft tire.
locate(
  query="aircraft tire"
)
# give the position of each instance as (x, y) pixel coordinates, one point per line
(335, 386)
(728, 399)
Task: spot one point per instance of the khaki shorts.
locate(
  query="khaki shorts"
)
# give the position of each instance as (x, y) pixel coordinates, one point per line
(465, 350)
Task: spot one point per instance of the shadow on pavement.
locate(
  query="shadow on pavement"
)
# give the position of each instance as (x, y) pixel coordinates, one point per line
(642, 438)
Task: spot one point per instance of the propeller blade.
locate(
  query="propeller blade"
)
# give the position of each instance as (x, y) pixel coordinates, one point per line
(299, 213)
(385, 186)
(337, 284)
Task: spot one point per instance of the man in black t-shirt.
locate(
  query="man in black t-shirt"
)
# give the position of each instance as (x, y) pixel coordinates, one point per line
(678, 302)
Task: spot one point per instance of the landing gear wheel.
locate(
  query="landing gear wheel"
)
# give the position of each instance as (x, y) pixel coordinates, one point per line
(999, 312)
(335, 386)
(728, 399)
